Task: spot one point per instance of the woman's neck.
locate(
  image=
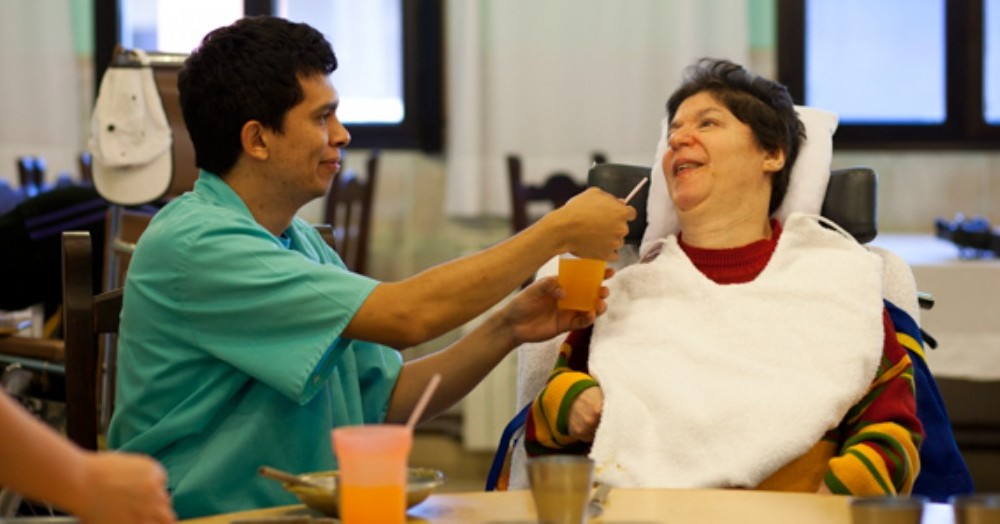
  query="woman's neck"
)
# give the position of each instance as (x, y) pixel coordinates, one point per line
(725, 233)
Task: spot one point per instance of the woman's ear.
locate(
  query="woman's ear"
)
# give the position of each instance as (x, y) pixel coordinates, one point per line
(774, 161)
(253, 140)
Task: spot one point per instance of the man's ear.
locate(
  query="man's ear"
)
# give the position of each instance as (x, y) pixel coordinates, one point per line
(774, 161)
(253, 140)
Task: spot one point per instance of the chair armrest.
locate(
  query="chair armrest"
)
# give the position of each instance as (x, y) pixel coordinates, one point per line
(47, 349)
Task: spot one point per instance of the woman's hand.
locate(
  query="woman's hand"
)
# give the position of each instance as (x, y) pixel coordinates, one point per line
(585, 414)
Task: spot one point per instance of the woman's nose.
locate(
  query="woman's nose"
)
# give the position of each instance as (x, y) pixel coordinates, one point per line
(678, 138)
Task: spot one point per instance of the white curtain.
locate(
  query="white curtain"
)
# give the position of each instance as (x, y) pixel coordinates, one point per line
(555, 80)
(40, 106)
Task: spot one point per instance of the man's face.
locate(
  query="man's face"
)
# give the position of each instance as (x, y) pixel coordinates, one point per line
(306, 153)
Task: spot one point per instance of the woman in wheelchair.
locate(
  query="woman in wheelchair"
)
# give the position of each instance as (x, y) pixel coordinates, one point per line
(743, 352)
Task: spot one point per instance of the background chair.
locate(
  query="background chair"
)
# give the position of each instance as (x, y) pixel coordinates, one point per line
(86, 318)
(349, 212)
(557, 189)
(47, 358)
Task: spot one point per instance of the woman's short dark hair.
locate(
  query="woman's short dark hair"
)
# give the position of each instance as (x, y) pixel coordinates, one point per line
(763, 105)
(246, 71)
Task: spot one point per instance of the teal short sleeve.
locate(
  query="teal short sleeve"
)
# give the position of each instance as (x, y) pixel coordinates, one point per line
(274, 313)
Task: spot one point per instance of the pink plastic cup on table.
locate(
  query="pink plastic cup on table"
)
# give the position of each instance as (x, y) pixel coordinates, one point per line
(372, 480)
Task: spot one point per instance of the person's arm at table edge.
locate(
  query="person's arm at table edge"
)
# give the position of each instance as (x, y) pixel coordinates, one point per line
(40, 464)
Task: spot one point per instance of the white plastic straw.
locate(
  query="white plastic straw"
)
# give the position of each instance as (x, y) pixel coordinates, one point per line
(636, 189)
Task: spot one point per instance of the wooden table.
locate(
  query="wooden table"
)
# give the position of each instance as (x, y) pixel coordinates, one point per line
(624, 505)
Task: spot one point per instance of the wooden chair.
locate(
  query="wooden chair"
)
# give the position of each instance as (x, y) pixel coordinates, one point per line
(349, 211)
(58, 360)
(86, 318)
(557, 189)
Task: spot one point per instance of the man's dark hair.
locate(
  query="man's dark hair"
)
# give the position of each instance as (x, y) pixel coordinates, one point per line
(763, 105)
(246, 71)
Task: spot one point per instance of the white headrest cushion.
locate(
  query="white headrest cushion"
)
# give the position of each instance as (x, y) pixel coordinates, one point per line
(806, 186)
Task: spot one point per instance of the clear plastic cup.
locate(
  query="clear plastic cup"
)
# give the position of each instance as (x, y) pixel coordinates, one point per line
(372, 483)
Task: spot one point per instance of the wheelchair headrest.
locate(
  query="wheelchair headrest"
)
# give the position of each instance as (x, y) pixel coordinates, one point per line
(850, 199)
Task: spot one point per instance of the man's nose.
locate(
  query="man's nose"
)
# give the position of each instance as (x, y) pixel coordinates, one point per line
(339, 135)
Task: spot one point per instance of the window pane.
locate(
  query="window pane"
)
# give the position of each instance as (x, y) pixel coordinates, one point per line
(173, 26)
(877, 62)
(368, 39)
(991, 62)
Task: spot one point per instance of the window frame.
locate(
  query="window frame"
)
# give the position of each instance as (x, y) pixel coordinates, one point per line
(423, 122)
(964, 127)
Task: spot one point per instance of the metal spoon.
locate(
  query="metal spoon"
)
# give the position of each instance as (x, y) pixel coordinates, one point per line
(284, 476)
(596, 505)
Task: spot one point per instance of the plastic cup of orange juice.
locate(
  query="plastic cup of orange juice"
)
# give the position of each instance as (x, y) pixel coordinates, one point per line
(372, 483)
(581, 279)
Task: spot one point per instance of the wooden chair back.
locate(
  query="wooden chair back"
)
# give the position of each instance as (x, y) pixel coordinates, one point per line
(86, 317)
(349, 212)
(557, 189)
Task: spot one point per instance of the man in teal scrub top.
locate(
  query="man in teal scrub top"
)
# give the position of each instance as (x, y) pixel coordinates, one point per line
(244, 339)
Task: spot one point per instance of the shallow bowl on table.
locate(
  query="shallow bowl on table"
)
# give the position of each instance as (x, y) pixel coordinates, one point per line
(420, 483)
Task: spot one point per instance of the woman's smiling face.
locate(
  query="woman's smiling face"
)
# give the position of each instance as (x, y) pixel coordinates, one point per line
(714, 163)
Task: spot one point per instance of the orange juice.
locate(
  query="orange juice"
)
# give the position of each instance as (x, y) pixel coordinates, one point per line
(581, 279)
(373, 504)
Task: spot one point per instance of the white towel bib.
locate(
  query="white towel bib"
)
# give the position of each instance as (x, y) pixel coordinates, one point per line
(709, 385)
